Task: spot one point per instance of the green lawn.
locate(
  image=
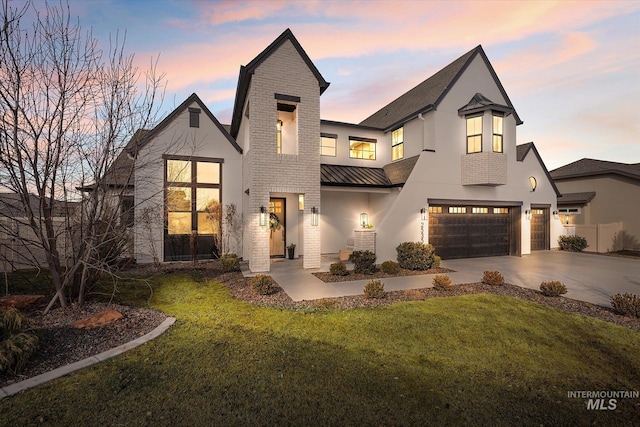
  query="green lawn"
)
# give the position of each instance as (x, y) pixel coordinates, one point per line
(476, 359)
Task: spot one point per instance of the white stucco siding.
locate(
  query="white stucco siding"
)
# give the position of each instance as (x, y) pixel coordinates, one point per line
(344, 131)
(179, 139)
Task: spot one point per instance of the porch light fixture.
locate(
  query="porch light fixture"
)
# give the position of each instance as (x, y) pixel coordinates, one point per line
(314, 216)
(555, 215)
(423, 214)
(263, 216)
(533, 182)
(300, 202)
(364, 219)
(527, 213)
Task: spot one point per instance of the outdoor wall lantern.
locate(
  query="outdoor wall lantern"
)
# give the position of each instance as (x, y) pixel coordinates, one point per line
(314, 216)
(423, 214)
(300, 202)
(555, 215)
(533, 182)
(364, 219)
(527, 213)
(263, 216)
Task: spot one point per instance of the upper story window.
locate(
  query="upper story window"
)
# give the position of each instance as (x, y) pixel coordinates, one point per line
(328, 144)
(474, 134)
(126, 211)
(362, 148)
(498, 121)
(194, 117)
(397, 144)
(279, 136)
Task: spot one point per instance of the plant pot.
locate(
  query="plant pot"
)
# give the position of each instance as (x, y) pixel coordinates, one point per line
(291, 252)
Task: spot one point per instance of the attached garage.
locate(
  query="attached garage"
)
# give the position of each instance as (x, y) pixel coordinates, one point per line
(467, 231)
(540, 228)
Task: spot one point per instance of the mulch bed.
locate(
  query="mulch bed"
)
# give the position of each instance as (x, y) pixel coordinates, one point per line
(331, 278)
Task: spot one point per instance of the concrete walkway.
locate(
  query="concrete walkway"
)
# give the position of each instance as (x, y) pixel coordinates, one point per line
(72, 367)
(588, 277)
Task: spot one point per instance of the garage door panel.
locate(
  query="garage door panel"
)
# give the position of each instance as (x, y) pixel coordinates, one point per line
(463, 235)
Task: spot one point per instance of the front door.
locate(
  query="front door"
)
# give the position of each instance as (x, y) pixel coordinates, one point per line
(277, 210)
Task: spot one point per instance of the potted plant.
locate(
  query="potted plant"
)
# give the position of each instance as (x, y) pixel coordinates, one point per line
(291, 250)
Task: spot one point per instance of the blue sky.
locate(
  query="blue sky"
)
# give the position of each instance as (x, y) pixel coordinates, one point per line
(571, 68)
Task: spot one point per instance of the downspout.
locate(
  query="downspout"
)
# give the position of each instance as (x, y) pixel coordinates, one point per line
(424, 123)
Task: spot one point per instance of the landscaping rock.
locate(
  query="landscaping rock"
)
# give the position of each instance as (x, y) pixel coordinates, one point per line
(103, 318)
(19, 301)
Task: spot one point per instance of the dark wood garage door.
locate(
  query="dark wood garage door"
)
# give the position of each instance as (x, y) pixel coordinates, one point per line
(469, 231)
(539, 229)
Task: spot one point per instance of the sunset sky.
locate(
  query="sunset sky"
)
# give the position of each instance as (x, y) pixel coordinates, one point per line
(571, 68)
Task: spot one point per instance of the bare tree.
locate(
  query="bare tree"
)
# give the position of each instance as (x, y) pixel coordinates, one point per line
(67, 110)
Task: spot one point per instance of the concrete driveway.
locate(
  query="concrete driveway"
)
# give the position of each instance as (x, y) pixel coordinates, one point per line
(588, 277)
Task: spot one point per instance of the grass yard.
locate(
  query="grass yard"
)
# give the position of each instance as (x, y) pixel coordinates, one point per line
(475, 359)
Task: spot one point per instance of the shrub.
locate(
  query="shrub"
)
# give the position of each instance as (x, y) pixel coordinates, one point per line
(553, 289)
(263, 284)
(572, 243)
(442, 282)
(436, 261)
(16, 346)
(229, 262)
(493, 278)
(415, 255)
(414, 294)
(363, 261)
(374, 289)
(338, 269)
(627, 304)
(390, 267)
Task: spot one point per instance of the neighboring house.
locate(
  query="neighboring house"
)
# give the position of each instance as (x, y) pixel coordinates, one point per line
(439, 164)
(601, 192)
(19, 246)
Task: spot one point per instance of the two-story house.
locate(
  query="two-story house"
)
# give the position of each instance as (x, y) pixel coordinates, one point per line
(439, 164)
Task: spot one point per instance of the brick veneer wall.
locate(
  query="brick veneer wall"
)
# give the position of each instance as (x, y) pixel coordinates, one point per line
(266, 172)
(486, 168)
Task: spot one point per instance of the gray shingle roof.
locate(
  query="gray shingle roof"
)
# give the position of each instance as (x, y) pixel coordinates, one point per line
(590, 167)
(398, 172)
(576, 198)
(353, 176)
(428, 94)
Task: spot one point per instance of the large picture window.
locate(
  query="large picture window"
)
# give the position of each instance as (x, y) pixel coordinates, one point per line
(397, 144)
(362, 148)
(474, 134)
(497, 133)
(192, 196)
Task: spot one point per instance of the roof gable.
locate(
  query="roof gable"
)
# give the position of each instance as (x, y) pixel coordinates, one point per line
(521, 153)
(592, 167)
(244, 79)
(427, 95)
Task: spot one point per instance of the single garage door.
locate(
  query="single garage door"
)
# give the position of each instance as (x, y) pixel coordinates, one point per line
(470, 231)
(539, 229)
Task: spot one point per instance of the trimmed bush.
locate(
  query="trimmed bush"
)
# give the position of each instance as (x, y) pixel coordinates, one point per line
(553, 289)
(229, 262)
(338, 269)
(572, 243)
(364, 262)
(415, 255)
(374, 289)
(626, 304)
(493, 278)
(16, 346)
(436, 261)
(390, 267)
(327, 303)
(263, 284)
(441, 282)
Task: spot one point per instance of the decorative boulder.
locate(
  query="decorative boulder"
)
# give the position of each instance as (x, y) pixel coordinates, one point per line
(103, 318)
